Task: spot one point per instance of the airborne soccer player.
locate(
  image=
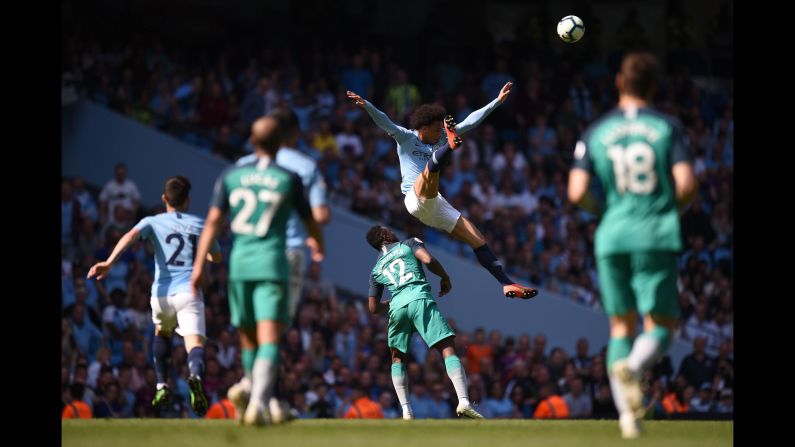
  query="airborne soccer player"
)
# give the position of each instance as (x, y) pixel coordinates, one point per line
(422, 152)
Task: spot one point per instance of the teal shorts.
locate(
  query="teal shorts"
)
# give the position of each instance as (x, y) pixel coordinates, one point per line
(643, 282)
(253, 301)
(422, 316)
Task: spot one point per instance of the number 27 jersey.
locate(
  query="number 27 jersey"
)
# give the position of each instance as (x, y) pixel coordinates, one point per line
(260, 196)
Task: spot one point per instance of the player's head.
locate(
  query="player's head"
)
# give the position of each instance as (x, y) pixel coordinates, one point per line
(379, 235)
(288, 125)
(265, 135)
(427, 119)
(638, 75)
(176, 193)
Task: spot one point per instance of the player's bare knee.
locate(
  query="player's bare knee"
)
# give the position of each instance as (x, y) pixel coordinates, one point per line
(398, 356)
(445, 346)
(623, 325)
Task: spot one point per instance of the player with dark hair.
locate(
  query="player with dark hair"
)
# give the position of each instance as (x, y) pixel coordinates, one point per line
(422, 152)
(174, 235)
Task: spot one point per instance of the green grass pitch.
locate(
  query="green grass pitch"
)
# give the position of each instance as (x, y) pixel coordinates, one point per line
(397, 433)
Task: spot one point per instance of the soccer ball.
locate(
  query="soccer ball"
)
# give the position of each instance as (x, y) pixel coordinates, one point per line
(571, 29)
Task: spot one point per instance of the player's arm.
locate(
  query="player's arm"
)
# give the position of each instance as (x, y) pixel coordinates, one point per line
(301, 206)
(380, 118)
(479, 115)
(685, 182)
(214, 255)
(374, 303)
(579, 192)
(212, 226)
(101, 269)
(580, 179)
(433, 264)
(318, 198)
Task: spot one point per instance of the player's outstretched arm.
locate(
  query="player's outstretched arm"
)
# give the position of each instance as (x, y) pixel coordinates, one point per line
(101, 269)
(476, 117)
(436, 268)
(211, 227)
(380, 118)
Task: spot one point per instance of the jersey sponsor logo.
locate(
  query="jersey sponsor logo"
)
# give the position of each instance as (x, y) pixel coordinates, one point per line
(419, 154)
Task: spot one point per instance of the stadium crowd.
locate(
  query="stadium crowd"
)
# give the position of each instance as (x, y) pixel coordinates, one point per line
(509, 179)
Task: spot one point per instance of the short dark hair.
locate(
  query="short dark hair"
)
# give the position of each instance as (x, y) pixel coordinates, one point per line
(378, 235)
(176, 190)
(639, 70)
(426, 114)
(287, 120)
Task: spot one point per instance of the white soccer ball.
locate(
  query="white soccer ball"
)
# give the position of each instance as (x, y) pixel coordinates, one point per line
(571, 29)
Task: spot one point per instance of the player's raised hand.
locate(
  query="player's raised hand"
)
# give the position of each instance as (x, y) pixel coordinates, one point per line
(506, 90)
(356, 98)
(100, 270)
(445, 286)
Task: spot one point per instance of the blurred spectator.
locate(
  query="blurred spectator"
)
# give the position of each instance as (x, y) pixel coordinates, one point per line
(362, 407)
(75, 408)
(120, 191)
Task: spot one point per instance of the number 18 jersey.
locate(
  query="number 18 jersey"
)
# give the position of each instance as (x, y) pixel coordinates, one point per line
(631, 151)
(401, 271)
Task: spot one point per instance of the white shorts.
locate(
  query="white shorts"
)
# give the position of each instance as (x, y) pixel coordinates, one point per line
(182, 311)
(296, 258)
(435, 212)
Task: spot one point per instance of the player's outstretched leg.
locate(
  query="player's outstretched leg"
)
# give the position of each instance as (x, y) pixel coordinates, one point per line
(440, 156)
(449, 129)
(465, 231)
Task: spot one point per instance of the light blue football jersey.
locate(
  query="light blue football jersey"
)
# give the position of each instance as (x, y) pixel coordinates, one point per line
(175, 236)
(412, 152)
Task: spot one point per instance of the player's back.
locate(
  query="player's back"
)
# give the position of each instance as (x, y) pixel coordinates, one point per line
(401, 271)
(632, 152)
(259, 196)
(175, 236)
